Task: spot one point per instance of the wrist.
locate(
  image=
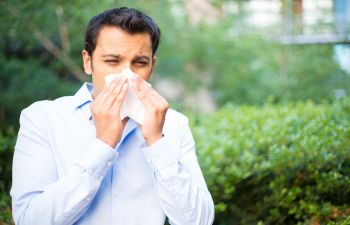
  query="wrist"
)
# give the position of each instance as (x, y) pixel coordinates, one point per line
(153, 139)
(109, 141)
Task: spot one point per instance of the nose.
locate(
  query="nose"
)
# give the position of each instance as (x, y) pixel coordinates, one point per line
(127, 72)
(125, 66)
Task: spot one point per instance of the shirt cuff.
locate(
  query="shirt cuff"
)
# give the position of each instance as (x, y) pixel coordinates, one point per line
(98, 159)
(162, 156)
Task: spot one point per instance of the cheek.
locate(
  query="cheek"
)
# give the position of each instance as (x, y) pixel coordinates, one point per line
(102, 68)
(144, 73)
(98, 82)
(99, 72)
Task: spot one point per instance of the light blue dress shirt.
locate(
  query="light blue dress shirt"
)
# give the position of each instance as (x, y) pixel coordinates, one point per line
(63, 174)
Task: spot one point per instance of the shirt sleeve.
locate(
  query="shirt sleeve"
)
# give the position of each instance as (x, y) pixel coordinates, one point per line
(39, 196)
(182, 190)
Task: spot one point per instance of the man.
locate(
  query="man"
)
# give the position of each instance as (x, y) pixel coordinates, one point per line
(77, 162)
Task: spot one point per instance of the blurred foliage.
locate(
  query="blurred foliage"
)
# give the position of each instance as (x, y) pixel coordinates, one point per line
(342, 221)
(229, 57)
(277, 164)
(25, 81)
(7, 142)
(242, 66)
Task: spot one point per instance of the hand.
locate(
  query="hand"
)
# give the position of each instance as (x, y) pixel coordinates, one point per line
(105, 110)
(156, 108)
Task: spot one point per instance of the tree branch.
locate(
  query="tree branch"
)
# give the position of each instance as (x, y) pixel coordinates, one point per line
(48, 44)
(63, 29)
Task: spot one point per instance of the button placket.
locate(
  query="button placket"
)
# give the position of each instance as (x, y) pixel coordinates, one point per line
(117, 204)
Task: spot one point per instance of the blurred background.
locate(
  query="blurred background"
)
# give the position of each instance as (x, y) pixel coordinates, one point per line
(265, 83)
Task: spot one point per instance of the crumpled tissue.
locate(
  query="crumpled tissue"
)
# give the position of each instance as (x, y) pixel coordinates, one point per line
(132, 107)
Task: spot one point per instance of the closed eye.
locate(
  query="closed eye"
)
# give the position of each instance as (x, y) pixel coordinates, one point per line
(112, 61)
(141, 63)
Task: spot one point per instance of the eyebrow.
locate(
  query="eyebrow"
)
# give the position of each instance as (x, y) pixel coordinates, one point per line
(141, 57)
(138, 57)
(111, 55)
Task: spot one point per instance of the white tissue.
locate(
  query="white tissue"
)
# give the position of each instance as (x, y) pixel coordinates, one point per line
(132, 107)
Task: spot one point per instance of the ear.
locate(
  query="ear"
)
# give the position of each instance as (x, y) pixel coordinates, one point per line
(154, 61)
(87, 62)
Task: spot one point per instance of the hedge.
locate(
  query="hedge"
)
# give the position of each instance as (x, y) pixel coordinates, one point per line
(7, 141)
(273, 164)
(277, 164)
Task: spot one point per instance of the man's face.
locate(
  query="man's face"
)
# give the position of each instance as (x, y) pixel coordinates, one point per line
(117, 50)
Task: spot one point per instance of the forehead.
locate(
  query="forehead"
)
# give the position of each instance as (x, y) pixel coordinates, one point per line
(114, 40)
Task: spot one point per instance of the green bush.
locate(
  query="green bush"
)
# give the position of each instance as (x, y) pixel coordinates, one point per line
(343, 221)
(7, 141)
(24, 81)
(277, 164)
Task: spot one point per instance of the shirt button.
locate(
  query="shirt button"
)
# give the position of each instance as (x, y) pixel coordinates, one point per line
(116, 194)
(109, 163)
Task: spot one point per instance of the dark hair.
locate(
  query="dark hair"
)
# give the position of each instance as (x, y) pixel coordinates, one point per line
(130, 20)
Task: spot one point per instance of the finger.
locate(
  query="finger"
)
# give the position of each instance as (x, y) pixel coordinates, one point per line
(156, 100)
(141, 88)
(116, 91)
(104, 92)
(138, 80)
(99, 101)
(118, 101)
(156, 95)
(111, 85)
(112, 92)
(150, 97)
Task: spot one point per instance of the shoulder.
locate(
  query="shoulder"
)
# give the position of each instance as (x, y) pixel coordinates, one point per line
(175, 122)
(174, 116)
(44, 109)
(46, 106)
(178, 131)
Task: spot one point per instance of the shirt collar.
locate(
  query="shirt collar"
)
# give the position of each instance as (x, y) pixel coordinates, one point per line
(83, 95)
(129, 127)
(83, 98)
